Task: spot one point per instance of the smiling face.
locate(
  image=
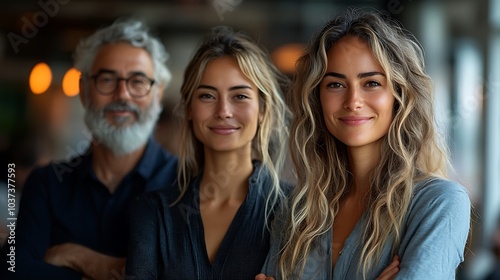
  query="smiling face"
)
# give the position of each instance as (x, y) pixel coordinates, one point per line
(355, 95)
(224, 109)
(121, 60)
(120, 121)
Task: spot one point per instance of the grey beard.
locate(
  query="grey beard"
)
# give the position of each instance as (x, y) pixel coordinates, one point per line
(122, 140)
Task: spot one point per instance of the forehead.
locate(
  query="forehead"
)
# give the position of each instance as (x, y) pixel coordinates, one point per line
(223, 64)
(123, 58)
(225, 71)
(350, 53)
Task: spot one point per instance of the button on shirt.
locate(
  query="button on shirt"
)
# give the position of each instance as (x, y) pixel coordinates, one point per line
(65, 202)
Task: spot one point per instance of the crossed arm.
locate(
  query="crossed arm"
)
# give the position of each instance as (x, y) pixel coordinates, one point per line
(388, 274)
(91, 264)
(36, 257)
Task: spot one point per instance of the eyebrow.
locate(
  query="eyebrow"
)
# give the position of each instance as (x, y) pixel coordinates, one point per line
(360, 75)
(129, 74)
(231, 88)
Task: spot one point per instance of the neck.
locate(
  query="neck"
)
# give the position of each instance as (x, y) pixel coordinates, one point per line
(109, 168)
(362, 161)
(225, 177)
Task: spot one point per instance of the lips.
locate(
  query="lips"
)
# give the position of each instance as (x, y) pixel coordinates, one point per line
(120, 112)
(224, 130)
(120, 116)
(355, 120)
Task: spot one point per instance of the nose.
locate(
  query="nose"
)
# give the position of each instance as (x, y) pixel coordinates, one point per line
(223, 109)
(122, 90)
(354, 100)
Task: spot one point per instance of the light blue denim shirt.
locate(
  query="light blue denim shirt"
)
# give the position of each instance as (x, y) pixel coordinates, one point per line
(432, 247)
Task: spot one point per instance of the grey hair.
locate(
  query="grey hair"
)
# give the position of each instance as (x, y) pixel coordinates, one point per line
(129, 31)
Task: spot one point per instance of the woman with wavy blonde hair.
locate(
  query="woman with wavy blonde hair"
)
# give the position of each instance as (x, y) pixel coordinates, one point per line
(371, 167)
(213, 223)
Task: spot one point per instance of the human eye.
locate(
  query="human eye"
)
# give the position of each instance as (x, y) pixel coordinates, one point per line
(334, 85)
(241, 96)
(139, 80)
(206, 96)
(106, 78)
(372, 84)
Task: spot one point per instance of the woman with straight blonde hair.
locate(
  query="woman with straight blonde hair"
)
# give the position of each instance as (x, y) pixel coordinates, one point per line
(371, 167)
(214, 224)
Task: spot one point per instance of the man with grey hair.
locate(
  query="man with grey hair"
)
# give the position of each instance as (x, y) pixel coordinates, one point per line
(72, 222)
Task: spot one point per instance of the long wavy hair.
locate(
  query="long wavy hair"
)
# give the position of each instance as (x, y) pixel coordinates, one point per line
(411, 151)
(268, 145)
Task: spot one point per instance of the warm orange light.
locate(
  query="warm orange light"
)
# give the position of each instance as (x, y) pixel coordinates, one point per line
(71, 81)
(285, 57)
(40, 78)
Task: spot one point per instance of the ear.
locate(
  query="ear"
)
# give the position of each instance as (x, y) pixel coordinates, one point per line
(261, 117)
(82, 91)
(161, 88)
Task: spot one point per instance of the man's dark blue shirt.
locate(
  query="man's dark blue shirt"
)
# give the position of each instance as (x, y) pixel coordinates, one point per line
(65, 202)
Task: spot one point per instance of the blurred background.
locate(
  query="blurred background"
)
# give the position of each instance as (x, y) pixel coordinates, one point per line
(461, 39)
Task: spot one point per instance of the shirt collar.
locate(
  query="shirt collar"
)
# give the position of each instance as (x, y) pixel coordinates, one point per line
(146, 165)
(257, 185)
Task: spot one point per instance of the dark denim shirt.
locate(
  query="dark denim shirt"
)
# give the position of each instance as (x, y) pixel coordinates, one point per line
(168, 242)
(65, 202)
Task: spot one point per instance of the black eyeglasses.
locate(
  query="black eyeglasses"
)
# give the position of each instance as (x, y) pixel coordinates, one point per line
(138, 85)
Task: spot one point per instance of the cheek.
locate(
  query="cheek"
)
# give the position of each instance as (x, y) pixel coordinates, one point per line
(98, 101)
(197, 111)
(196, 124)
(145, 102)
(254, 116)
(196, 132)
(199, 115)
(385, 107)
(329, 105)
(389, 106)
(251, 116)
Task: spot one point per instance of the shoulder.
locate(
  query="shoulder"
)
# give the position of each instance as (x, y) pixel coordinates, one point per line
(158, 166)
(167, 158)
(59, 173)
(151, 204)
(436, 196)
(155, 152)
(440, 189)
(263, 176)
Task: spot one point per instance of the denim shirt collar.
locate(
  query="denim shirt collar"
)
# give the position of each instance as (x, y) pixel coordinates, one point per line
(145, 167)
